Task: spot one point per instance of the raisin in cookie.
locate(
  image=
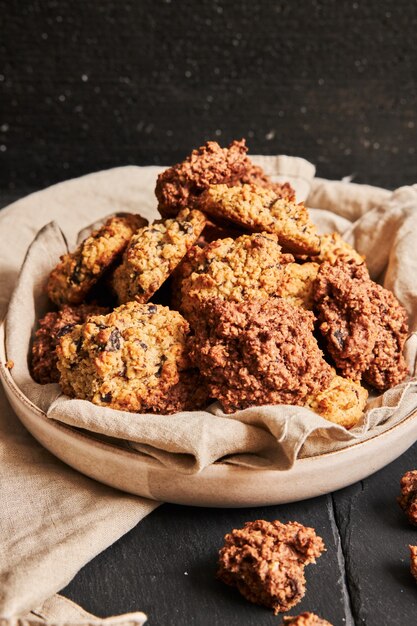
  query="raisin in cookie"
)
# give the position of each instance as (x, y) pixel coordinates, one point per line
(258, 209)
(153, 253)
(79, 271)
(131, 359)
(52, 327)
(258, 352)
(266, 561)
(179, 186)
(245, 268)
(364, 325)
(342, 402)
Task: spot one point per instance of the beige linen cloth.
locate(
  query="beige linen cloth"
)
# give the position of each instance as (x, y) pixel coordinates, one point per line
(55, 519)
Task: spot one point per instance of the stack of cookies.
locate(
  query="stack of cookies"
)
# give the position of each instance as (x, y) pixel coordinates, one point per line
(231, 296)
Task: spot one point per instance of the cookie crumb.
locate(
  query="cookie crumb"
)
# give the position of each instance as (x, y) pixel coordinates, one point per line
(305, 619)
(9, 364)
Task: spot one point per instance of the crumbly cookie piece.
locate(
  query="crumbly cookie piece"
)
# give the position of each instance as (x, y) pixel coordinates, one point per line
(413, 561)
(153, 253)
(258, 352)
(52, 327)
(297, 282)
(333, 247)
(408, 498)
(245, 268)
(78, 271)
(305, 619)
(266, 561)
(342, 402)
(179, 186)
(260, 209)
(129, 360)
(364, 325)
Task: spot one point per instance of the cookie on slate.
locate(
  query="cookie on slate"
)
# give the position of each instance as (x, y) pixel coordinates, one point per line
(258, 352)
(333, 247)
(260, 209)
(342, 402)
(296, 284)
(79, 271)
(363, 324)
(52, 327)
(153, 253)
(305, 619)
(179, 186)
(408, 498)
(413, 561)
(266, 561)
(245, 268)
(131, 359)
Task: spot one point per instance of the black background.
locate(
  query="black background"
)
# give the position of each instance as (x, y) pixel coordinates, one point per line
(89, 84)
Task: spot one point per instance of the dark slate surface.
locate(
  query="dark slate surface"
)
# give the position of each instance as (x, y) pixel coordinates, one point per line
(88, 85)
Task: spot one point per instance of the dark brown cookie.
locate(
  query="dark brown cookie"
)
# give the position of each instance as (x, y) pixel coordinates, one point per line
(52, 327)
(258, 352)
(266, 561)
(408, 498)
(364, 325)
(180, 185)
(413, 561)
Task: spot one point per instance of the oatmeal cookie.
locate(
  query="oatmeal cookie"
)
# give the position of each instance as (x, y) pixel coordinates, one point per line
(153, 253)
(363, 324)
(408, 498)
(296, 284)
(413, 561)
(305, 619)
(78, 271)
(266, 561)
(333, 247)
(258, 352)
(52, 327)
(342, 402)
(179, 186)
(245, 268)
(130, 360)
(260, 209)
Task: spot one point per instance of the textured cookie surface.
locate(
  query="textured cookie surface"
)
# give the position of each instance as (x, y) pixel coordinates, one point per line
(305, 619)
(297, 282)
(249, 267)
(266, 561)
(52, 327)
(333, 247)
(342, 402)
(408, 498)
(258, 352)
(364, 325)
(153, 253)
(179, 186)
(130, 360)
(77, 272)
(260, 209)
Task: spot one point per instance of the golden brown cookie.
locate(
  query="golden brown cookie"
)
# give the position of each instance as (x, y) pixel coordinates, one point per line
(260, 209)
(258, 352)
(265, 561)
(343, 401)
(180, 185)
(130, 360)
(153, 253)
(245, 268)
(333, 247)
(52, 327)
(79, 271)
(296, 284)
